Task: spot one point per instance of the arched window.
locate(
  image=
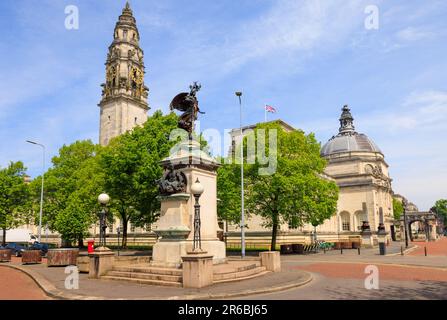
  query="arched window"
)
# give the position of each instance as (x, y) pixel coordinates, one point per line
(345, 218)
(360, 216)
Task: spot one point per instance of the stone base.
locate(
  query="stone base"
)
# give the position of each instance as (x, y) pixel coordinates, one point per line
(197, 270)
(367, 240)
(101, 261)
(271, 260)
(169, 254)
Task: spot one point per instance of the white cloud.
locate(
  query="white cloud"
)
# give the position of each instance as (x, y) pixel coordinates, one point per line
(422, 111)
(414, 34)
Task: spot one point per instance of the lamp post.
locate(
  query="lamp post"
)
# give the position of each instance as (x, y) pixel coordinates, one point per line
(239, 95)
(118, 231)
(197, 190)
(103, 199)
(41, 189)
(381, 237)
(404, 204)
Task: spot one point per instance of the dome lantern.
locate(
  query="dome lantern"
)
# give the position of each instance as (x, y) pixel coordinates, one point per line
(348, 140)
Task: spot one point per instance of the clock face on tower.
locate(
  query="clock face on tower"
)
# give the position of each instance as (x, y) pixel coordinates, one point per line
(136, 75)
(111, 74)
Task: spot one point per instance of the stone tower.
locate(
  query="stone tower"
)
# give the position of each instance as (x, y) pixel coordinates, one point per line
(124, 95)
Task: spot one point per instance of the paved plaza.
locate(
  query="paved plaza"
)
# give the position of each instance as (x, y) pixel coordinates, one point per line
(329, 275)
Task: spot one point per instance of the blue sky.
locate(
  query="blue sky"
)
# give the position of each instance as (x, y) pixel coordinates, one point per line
(306, 58)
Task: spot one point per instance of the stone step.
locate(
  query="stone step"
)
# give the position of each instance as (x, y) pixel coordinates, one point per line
(222, 269)
(238, 275)
(240, 278)
(144, 281)
(146, 276)
(149, 269)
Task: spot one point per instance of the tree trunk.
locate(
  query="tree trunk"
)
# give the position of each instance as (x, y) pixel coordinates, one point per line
(4, 237)
(274, 232)
(124, 245)
(81, 242)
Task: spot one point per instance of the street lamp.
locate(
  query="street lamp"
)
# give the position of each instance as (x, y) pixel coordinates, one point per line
(239, 95)
(404, 204)
(381, 238)
(197, 190)
(103, 199)
(41, 189)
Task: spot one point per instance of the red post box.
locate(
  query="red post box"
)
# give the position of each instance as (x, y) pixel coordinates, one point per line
(90, 247)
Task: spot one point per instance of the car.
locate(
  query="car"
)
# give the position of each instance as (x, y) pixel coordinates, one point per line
(43, 247)
(16, 249)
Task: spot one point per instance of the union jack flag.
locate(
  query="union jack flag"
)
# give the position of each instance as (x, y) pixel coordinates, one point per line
(270, 109)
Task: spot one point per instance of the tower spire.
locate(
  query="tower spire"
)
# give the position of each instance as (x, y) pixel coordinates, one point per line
(124, 95)
(127, 8)
(346, 122)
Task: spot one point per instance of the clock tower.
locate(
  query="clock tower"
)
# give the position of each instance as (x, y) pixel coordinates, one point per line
(124, 95)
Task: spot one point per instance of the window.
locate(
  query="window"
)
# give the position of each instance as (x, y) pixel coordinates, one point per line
(360, 216)
(111, 228)
(132, 229)
(345, 221)
(136, 120)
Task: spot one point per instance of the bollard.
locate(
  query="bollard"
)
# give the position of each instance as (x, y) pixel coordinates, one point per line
(341, 250)
(401, 250)
(425, 251)
(358, 249)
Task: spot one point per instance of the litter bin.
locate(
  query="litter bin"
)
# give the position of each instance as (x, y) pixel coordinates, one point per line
(286, 249)
(90, 247)
(298, 248)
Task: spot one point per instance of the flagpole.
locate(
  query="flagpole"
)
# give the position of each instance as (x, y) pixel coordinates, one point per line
(265, 112)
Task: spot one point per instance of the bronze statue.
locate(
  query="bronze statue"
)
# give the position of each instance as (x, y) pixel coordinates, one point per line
(173, 181)
(189, 105)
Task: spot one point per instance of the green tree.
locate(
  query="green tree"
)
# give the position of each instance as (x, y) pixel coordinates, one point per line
(398, 209)
(229, 193)
(295, 192)
(71, 189)
(13, 197)
(440, 208)
(131, 163)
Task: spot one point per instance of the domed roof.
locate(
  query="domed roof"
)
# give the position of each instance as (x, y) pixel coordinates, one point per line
(348, 140)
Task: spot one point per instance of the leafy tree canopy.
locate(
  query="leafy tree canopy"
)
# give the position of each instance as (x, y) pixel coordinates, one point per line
(398, 209)
(131, 164)
(293, 190)
(13, 197)
(71, 189)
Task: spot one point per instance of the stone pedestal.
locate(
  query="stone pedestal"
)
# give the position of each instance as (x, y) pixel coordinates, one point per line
(197, 270)
(367, 239)
(433, 235)
(176, 223)
(271, 260)
(101, 261)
